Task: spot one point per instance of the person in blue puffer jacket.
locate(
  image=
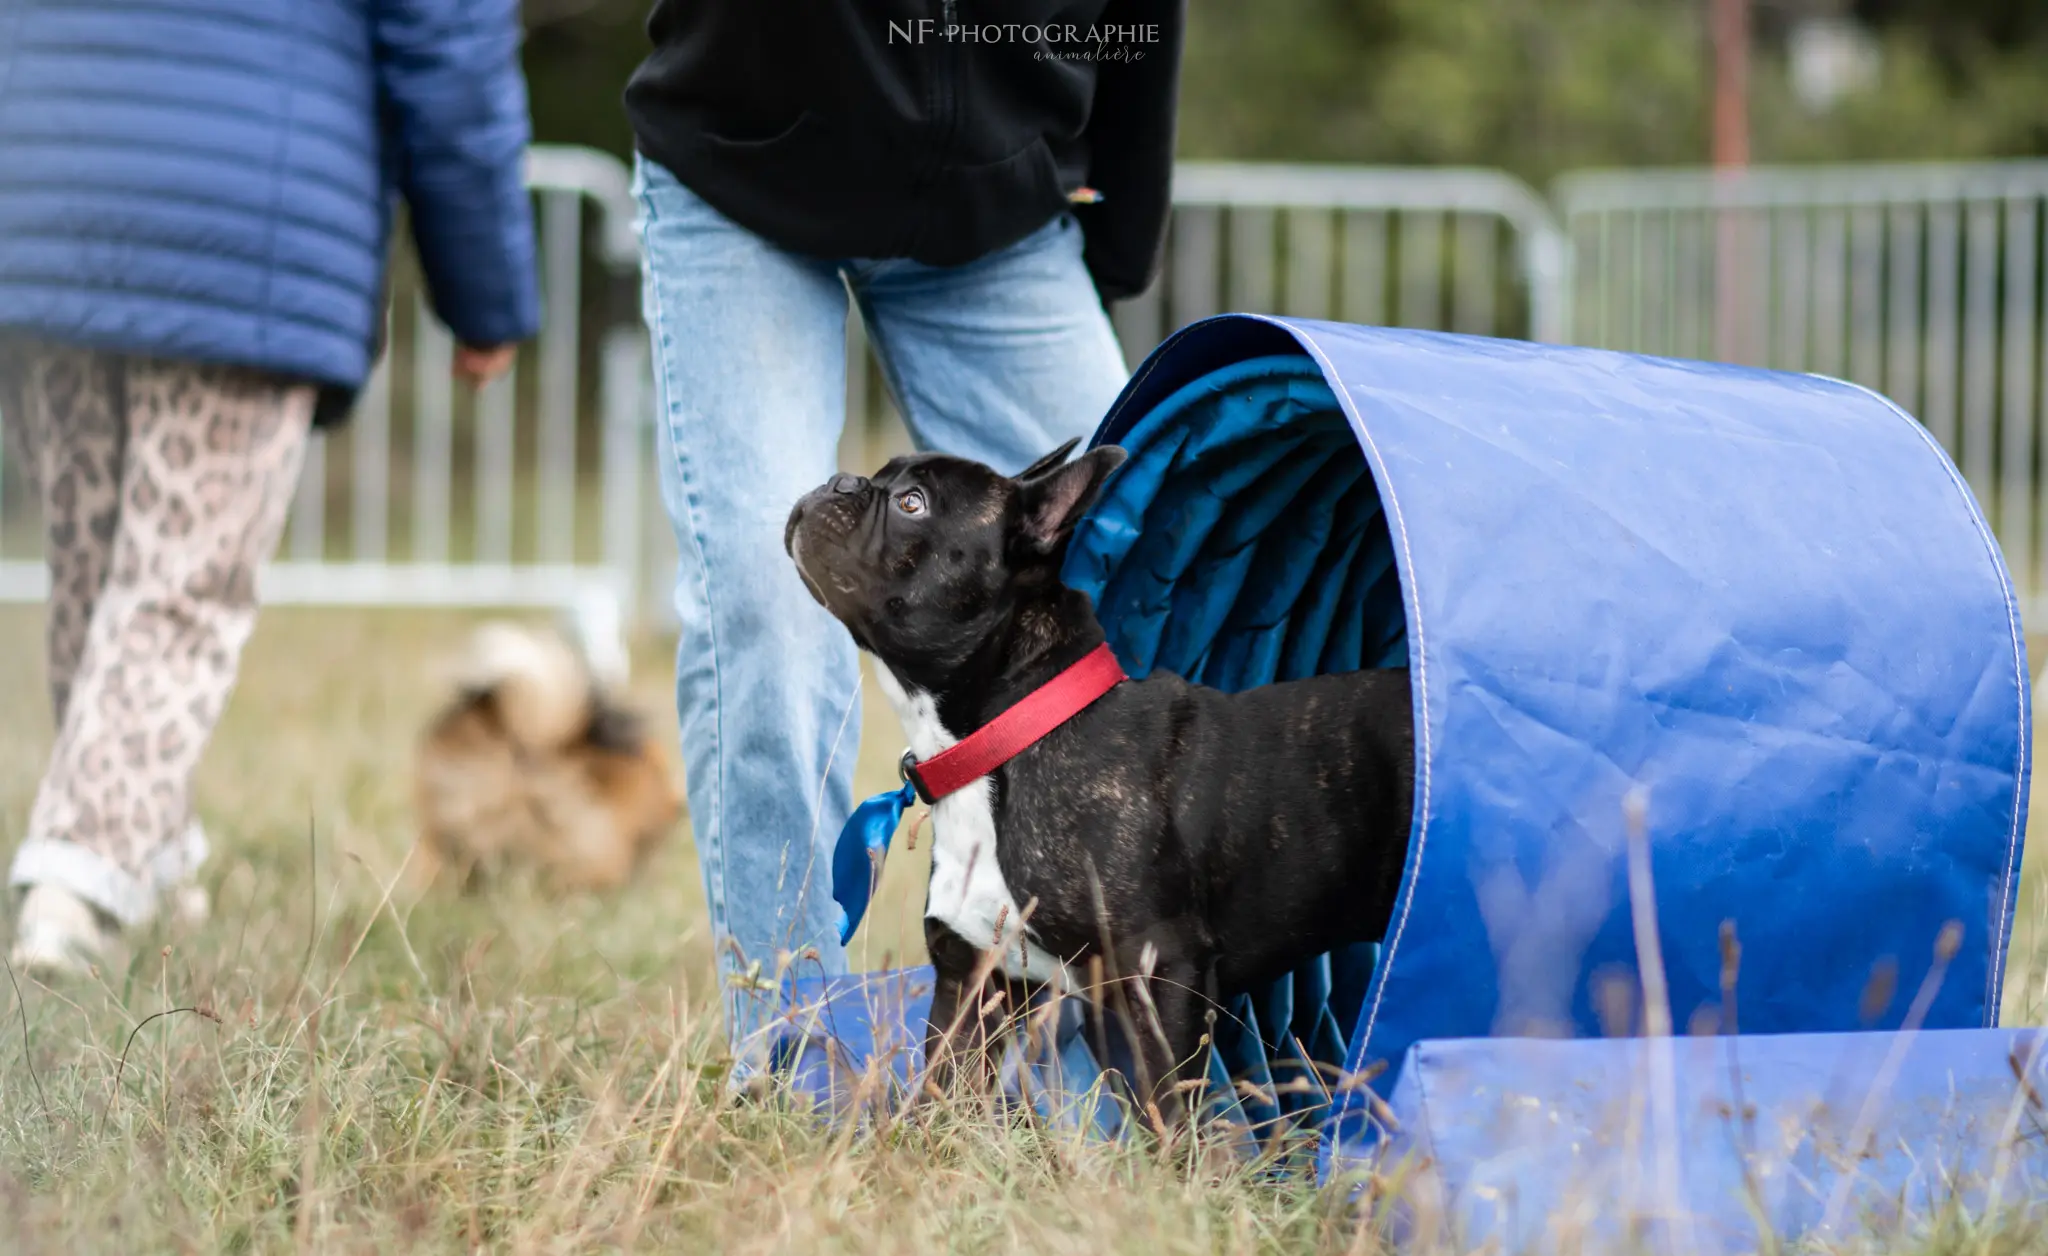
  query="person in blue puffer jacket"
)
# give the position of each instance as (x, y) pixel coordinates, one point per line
(196, 199)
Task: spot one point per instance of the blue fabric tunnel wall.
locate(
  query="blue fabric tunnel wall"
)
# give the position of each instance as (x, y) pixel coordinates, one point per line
(1766, 602)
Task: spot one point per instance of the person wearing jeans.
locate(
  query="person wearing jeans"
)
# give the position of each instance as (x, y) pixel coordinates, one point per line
(196, 200)
(979, 199)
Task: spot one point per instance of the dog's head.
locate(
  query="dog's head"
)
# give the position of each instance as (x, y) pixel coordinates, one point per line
(929, 561)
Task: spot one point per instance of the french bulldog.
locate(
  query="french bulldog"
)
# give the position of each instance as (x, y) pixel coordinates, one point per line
(1198, 842)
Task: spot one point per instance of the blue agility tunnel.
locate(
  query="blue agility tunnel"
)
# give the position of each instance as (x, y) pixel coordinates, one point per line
(1763, 605)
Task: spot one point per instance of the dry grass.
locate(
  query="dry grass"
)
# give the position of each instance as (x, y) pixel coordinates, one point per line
(501, 1073)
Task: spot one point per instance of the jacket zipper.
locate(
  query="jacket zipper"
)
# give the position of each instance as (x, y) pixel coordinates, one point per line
(950, 85)
(946, 108)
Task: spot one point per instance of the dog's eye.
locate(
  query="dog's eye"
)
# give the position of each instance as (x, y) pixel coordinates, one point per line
(911, 501)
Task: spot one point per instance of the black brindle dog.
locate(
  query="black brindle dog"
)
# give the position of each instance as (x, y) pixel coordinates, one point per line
(1201, 842)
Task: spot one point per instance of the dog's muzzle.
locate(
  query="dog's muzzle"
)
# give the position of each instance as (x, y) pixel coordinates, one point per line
(836, 506)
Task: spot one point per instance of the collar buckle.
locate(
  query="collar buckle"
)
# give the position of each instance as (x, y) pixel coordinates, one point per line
(906, 768)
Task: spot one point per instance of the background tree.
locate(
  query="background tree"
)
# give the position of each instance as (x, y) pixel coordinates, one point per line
(1532, 86)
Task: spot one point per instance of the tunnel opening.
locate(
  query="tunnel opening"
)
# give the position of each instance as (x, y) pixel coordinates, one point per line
(1244, 542)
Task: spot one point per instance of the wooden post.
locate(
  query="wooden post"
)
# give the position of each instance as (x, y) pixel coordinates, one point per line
(1731, 82)
(1733, 342)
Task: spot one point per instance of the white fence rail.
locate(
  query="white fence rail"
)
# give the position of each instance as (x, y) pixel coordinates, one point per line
(1924, 282)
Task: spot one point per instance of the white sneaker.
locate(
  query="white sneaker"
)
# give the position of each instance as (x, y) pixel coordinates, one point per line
(57, 933)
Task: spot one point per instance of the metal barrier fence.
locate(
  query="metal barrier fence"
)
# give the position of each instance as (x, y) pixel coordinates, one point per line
(1462, 250)
(1923, 282)
(1459, 250)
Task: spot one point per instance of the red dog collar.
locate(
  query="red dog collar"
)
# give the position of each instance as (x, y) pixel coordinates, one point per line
(1015, 730)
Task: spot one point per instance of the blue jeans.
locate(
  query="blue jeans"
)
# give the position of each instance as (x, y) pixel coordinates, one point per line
(998, 360)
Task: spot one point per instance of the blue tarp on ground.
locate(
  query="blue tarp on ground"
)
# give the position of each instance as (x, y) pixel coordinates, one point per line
(1767, 601)
(1531, 1147)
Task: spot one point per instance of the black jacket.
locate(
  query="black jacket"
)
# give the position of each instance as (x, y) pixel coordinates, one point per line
(939, 130)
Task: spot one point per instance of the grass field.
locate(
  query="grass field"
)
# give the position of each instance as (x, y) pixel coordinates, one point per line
(347, 1070)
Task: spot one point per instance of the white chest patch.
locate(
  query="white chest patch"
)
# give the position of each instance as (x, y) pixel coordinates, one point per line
(968, 894)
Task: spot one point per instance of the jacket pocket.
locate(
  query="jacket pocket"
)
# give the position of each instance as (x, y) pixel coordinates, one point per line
(719, 138)
(992, 205)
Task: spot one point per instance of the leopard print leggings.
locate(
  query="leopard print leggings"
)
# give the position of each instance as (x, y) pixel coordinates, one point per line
(164, 484)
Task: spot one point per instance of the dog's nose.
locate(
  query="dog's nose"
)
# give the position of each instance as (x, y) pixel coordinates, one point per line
(848, 484)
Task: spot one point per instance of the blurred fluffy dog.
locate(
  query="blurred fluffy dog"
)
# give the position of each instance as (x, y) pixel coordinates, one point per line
(532, 765)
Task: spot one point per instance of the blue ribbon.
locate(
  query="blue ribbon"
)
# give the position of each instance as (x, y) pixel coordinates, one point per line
(857, 859)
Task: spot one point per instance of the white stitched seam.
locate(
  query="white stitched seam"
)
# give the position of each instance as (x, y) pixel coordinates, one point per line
(1151, 364)
(1420, 655)
(1994, 991)
(668, 390)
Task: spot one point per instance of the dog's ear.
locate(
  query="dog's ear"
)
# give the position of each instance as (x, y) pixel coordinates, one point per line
(1051, 460)
(1052, 502)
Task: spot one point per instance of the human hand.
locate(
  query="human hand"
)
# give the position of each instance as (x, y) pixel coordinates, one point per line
(478, 365)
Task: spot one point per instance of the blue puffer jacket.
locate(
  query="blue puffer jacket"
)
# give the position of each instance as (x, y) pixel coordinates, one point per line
(215, 179)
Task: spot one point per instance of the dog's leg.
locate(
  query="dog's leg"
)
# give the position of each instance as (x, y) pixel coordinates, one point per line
(1170, 1044)
(966, 1012)
(939, 1044)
